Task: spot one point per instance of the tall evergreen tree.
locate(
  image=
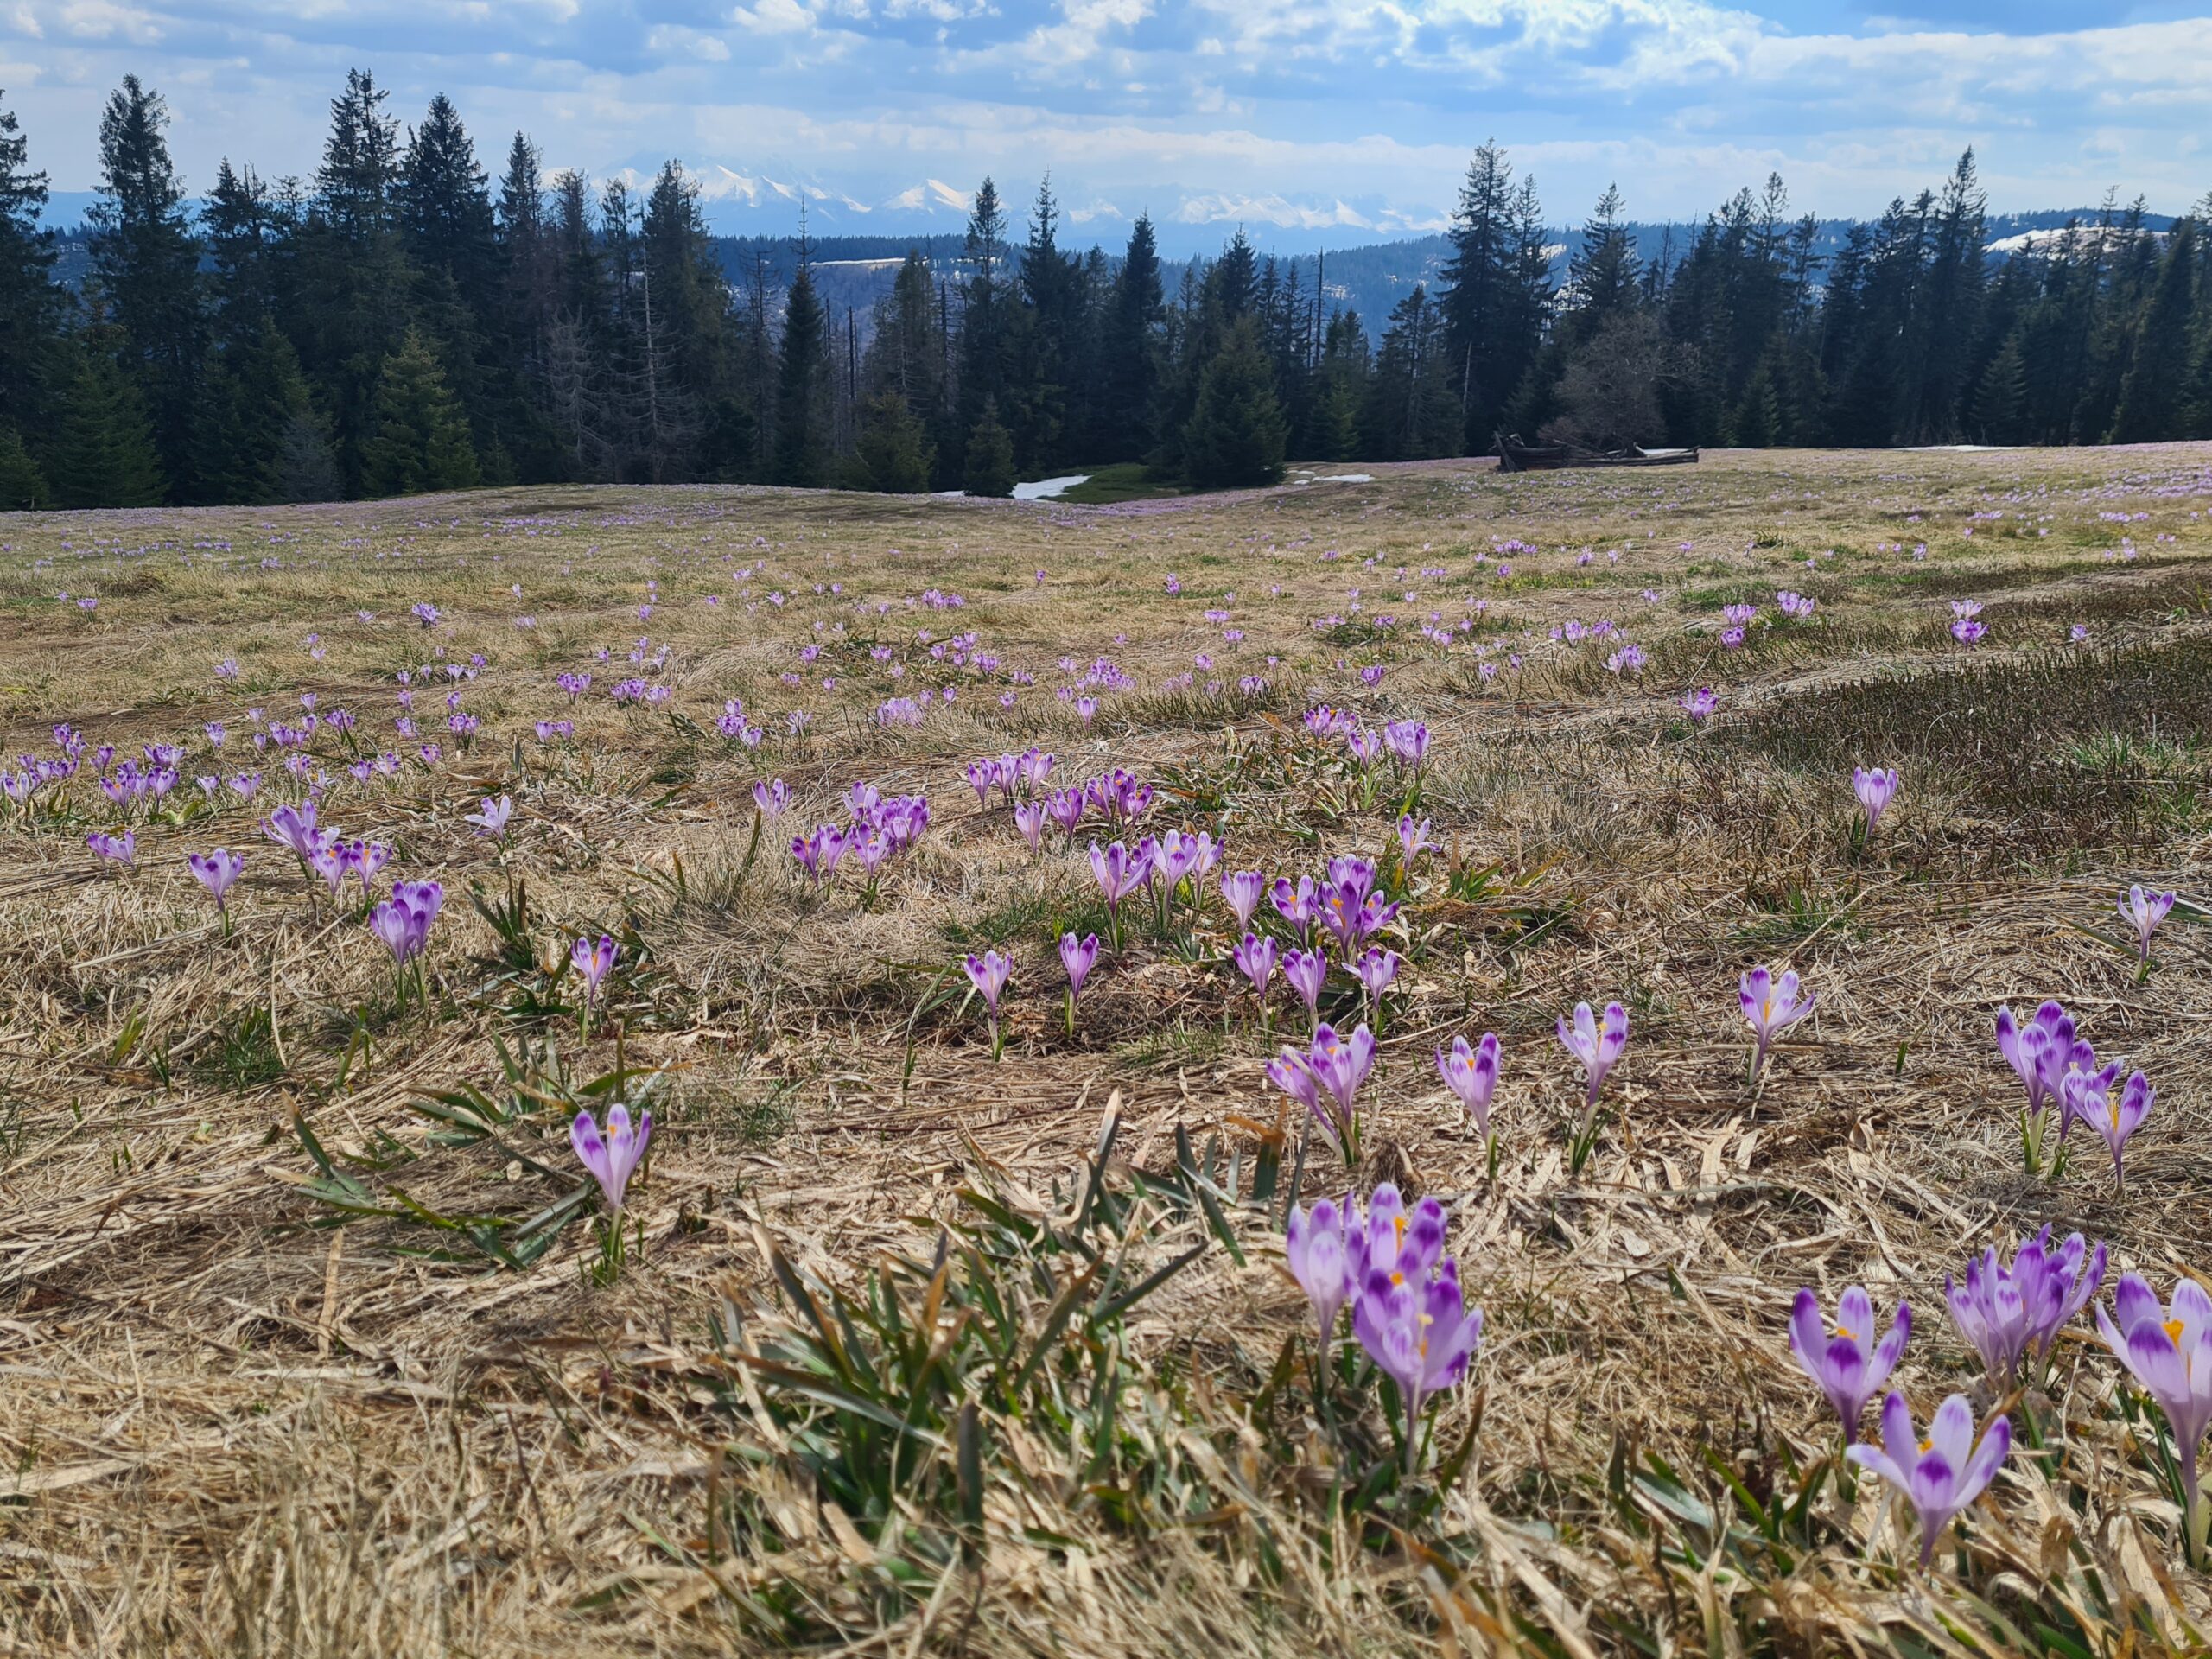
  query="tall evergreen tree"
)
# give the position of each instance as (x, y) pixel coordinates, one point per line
(104, 453)
(31, 305)
(2153, 402)
(803, 386)
(420, 440)
(357, 291)
(1495, 293)
(983, 301)
(145, 261)
(1237, 432)
(988, 465)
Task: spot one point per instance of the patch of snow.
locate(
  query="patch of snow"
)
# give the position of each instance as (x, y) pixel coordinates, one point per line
(1344, 478)
(1957, 448)
(1048, 489)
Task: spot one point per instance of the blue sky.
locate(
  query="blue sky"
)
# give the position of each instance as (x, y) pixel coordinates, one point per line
(1333, 116)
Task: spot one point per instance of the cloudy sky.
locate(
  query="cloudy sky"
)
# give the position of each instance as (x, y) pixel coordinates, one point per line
(1334, 115)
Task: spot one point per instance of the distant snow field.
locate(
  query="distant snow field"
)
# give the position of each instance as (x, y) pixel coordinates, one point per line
(1046, 489)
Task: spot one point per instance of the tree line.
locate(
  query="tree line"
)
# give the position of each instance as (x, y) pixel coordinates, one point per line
(398, 321)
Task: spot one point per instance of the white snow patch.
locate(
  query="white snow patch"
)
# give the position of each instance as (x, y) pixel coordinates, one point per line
(1957, 448)
(1048, 489)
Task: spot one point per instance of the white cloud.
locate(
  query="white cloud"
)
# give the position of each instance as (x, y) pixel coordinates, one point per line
(774, 17)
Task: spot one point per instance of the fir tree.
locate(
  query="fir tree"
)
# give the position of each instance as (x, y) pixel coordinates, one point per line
(1237, 433)
(988, 465)
(420, 439)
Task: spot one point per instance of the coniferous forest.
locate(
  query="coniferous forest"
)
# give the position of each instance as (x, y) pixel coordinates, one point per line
(399, 321)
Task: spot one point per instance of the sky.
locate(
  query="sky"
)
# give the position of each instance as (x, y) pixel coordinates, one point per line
(1343, 119)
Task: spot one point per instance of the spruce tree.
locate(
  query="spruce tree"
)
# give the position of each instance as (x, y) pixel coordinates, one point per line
(1237, 433)
(2152, 401)
(1130, 348)
(803, 387)
(145, 263)
(1999, 406)
(419, 439)
(355, 305)
(104, 454)
(895, 456)
(30, 303)
(22, 486)
(987, 468)
(982, 377)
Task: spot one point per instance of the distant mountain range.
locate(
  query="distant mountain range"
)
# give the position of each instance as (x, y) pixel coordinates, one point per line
(1368, 258)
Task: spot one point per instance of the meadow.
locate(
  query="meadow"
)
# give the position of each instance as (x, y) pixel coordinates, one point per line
(946, 1310)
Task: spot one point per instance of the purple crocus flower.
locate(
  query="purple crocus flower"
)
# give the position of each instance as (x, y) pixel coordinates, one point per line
(1407, 742)
(1941, 1475)
(1341, 1064)
(1599, 1050)
(1375, 970)
(1254, 958)
(1876, 790)
(1118, 872)
(2044, 1053)
(594, 960)
(1700, 704)
(1849, 1366)
(1771, 1006)
(2169, 1350)
(1472, 1074)
(988, 974)
(1300, 905)
(492, 818)
(1307, 971)
(1320, 1259)
(770, 796)
(610, 1160)
(1413, 839)
(1241, 891)
(2007, 1311)
(117, 849)
(216, 871)
(2089, 1096)
(1417, 1328)
(292, 826)
(2143, 911)
(1029, 819)
(1077, 956)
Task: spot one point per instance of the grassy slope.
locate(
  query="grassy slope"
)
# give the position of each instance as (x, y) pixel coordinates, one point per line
(239, 1432)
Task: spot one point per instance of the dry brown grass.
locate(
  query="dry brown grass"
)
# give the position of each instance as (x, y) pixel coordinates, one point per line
(230, 1428)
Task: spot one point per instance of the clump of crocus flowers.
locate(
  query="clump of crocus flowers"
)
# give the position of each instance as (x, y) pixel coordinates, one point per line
(1325, 1079)
(1407, 1310)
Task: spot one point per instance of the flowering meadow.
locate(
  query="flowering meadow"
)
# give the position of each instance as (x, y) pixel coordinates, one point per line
(1565, 1064)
